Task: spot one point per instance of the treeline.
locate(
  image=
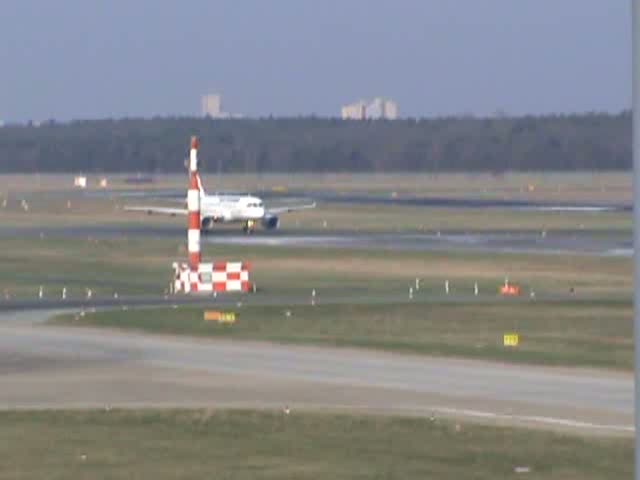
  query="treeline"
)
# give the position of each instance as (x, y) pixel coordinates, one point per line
(563, 142)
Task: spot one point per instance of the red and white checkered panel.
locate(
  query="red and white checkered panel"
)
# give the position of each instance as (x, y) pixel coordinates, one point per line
(212, 277)
(195, 276)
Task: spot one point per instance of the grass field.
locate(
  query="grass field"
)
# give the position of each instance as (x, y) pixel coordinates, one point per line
(594, 334)
(143, 266)
(67, 207)
(246, 445)
(580, 332)
(596, 187)
(326, 218)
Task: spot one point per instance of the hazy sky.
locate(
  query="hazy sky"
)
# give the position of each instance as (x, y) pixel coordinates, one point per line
(69, 59)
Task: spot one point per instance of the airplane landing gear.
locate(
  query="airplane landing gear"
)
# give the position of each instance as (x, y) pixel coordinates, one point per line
(249, 226)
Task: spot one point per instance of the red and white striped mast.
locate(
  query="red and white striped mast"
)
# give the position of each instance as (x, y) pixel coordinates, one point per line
(193, 222)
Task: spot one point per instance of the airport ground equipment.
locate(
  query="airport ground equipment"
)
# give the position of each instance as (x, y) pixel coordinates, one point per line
(196, 276)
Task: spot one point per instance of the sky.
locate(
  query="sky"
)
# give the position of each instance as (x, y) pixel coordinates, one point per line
(82, 59)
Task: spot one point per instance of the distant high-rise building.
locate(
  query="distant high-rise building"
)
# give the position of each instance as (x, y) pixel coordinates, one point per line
(212, 105)
(390, 110)
(354, 111)
(376, 109)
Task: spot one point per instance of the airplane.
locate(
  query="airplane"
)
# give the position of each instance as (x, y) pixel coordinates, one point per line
(228, 208)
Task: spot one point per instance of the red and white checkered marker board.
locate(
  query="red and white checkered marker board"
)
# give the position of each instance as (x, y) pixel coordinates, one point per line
(212, 277)
(196, 276)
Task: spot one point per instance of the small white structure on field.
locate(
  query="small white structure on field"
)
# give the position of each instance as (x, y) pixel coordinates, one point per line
(80, 181)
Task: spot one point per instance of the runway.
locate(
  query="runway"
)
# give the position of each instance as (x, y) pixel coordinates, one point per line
(47, 366)
(498, 242)
(571, 241)
(328, 196)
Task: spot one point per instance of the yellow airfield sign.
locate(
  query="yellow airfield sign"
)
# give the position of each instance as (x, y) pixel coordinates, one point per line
(220, 317)
(511, 339)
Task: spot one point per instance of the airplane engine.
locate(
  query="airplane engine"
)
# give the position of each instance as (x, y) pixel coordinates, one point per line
(271, 222)
(206, 223)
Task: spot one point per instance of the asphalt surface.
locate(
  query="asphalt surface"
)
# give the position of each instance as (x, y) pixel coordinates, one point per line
(377, 199)
(500, 242)
(50, 366)
(574, 242)
(569, 242)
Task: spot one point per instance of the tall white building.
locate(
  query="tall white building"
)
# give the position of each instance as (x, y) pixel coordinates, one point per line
(211, 105)
(354, 111)
(378, 108)
(390, 110)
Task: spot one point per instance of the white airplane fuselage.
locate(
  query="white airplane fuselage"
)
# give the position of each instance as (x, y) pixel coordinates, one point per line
(245, 209)
(227, 208)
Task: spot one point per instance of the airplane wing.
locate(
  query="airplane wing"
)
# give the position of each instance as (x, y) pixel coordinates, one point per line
(289, 208)
(161, 210)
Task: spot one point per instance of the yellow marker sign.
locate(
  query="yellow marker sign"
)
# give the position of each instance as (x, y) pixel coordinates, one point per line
(511, 340)
(220, 317)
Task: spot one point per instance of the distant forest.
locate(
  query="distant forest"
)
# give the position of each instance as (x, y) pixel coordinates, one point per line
(564, 142)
